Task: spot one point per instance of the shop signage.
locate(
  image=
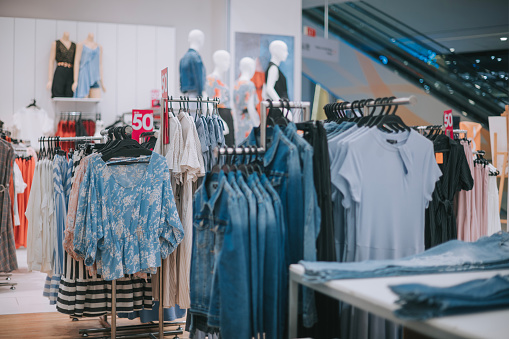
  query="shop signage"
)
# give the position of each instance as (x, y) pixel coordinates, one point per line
(143, 121)
(320, 49)
(155, 96)
(309, 31)
(164, 83)
(448, 123)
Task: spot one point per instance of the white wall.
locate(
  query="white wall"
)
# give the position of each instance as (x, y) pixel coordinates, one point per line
(282, 17)
(132, 58)
(206, 15)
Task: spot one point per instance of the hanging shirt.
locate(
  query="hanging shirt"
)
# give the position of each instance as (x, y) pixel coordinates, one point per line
(32, 123)
(440, 218)
(391, 177)
(126, 217)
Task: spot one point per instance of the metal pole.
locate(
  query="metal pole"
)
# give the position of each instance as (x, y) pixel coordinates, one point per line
(161, 313)
(113, 309)
(326, 20)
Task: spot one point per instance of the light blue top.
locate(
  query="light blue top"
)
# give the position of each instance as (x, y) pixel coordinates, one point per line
(89, 71)
(127, 219)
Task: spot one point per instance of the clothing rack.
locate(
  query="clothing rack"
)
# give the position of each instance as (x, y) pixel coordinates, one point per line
(70, 138)
(304, 105)
(7, 277)
(83, 115)
(459, 131)
(367, 103)
(165, 113)
(113, 329)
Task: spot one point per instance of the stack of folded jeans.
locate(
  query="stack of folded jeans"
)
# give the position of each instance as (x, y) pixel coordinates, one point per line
(421, 302)
(487, 253)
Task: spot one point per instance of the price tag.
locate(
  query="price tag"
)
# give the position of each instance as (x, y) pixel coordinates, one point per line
(143, 121)
(448, 123)
(439, 158)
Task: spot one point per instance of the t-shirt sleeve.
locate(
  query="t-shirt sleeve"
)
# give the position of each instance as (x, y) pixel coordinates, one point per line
(348, 179)
(432, 174)
(466, 181)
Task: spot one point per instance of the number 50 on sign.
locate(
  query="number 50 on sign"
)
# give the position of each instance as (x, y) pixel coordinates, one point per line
(143, 121)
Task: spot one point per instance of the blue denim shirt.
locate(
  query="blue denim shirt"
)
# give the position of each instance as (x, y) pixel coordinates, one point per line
(282, 166)
(192, 72)
(213, 218)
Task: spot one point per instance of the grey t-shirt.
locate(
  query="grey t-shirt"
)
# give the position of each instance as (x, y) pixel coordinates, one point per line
(387, 181)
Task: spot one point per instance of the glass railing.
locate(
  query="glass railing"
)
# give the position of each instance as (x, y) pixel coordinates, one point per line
(455, 80)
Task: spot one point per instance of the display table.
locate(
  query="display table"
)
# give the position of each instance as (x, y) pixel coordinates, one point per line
(373, 295)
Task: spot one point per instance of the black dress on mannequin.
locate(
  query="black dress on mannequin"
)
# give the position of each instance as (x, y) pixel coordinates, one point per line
(64, 74)
(281, 90)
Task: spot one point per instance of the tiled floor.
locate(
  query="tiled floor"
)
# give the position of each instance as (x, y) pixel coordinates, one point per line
(27, 297)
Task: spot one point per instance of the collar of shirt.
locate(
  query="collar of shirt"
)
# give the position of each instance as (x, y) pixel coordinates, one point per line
(208, 206)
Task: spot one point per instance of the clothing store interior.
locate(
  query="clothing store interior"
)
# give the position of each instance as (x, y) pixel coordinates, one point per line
(213, 169)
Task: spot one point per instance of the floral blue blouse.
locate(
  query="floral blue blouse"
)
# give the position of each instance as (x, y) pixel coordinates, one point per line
(127, 220)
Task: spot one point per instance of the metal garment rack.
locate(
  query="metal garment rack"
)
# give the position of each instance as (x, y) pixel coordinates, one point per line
(83, 115)
(7, 277)
(265, 104)
(113, 329)
(165, 113)
(366, 104)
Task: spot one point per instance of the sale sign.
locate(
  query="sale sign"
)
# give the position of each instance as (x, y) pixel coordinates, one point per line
(155, 97)
(448, 123)
(164, 82)
(164, 94)
(143, 121)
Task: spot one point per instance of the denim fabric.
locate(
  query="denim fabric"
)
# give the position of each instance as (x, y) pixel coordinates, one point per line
(206, 153)
(261, 229)
(203, 247)
(233, 273)
(310, 215)
(204, 142)
(421, 302)
(192, 72)
(282, 296)
(453, 256)
(212, 140)
(282, 164)
(271, 266)
(253, 249)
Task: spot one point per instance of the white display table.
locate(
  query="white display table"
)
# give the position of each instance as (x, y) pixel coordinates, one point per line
(373, 295)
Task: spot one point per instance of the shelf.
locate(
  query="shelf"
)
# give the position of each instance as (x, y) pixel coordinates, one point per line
(93, 100)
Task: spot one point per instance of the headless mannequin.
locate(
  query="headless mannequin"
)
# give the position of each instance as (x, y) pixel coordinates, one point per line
(247, 69)
(278, 54)
(52, 57)
(90, 43)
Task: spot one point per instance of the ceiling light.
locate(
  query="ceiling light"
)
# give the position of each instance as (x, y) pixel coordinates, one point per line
(477, 60)
(492, 57)
(504, 38)
(452, 50)
(499, 59)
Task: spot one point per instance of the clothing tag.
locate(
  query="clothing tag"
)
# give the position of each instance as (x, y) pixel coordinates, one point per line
(392, 142)
(440, 158)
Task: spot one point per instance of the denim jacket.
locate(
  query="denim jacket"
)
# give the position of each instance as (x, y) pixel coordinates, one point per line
(192, 73)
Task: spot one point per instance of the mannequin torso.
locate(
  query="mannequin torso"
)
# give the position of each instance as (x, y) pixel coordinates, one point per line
(93, 86)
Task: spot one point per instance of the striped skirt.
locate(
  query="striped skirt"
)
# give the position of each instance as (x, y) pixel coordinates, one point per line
(83, 295)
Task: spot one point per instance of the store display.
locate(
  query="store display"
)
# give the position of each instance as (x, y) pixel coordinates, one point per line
(244, 101)
(63, 52)
(88, 77)
(192, 71)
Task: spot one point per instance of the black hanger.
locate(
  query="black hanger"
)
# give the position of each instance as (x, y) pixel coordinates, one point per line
(282, 120)
(33, 104)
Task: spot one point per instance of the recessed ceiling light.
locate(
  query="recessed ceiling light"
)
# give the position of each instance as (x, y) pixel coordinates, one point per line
(492, 57)
(452, 50)
(477, 60)
(504, 38)
(499, 59)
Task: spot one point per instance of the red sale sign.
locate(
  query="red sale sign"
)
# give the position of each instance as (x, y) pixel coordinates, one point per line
(164, 82)
(143, 121)
(448, 123)
(155, 97)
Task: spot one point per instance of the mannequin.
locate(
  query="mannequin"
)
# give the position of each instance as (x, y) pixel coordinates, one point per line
(63, 53)
(88, 69)
(276, 80)
(215, 87)
(192, 71)
(245, 99)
